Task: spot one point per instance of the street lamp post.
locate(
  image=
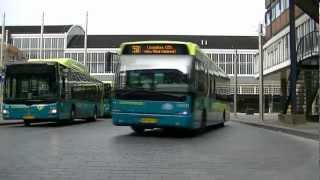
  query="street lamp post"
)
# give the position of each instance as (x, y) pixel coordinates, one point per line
(86, 42)
(2, 42)
(261, 89)
(41, 36)
(235, 70)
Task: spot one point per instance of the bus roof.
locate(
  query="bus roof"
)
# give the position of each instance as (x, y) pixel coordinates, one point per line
(67, 62)
(192, 47)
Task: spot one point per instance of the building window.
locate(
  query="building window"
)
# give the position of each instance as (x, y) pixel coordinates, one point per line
(94, 64)
(61, 43)
(17, 42)
(284, 4)
(278, 11)
(67, 55)
(100, 60)
(268, 18)
(250, 64)
(229, 63)
(81, 58)
(286, 49)
(215, 58)
(55, 43)
(47, 43)
(222, 61)
(25, 43)
(34, 43)
(247, 89)
(273, 13)
(242, 65)
(74, 56)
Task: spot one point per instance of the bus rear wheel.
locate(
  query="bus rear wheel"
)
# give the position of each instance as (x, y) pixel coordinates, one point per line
(94, 116)
(138, 130)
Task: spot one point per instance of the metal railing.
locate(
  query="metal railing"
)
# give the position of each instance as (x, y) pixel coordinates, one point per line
(308, 46)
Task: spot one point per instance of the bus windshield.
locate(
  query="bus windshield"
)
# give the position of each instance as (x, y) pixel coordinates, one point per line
(166, 73)
(157, 80)
(31, 82)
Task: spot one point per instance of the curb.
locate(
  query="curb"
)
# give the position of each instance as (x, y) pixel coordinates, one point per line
(10, 123)
(291, 131)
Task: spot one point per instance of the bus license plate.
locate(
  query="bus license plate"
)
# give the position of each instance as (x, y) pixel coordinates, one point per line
(28, 117)
(149, 120)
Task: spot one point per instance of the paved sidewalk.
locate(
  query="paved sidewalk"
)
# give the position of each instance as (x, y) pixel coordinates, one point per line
(3, 123)
(308, 130)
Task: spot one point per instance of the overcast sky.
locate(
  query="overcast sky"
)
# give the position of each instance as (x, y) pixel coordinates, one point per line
(186, 17)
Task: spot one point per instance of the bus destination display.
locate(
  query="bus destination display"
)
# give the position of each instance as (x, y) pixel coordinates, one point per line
(174, 49)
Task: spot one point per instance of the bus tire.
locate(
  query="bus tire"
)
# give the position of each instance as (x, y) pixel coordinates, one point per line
(94, 116)
(26, 123)
(137, 129)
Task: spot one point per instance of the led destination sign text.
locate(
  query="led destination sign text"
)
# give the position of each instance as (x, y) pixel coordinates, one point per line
(155, 49)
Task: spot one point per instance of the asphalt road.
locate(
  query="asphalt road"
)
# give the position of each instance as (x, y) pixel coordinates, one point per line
(99, 150)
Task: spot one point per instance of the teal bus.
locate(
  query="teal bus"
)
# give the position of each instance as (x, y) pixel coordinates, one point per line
(168, 84)
(57, 90)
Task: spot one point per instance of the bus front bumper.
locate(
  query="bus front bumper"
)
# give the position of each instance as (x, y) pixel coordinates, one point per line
(152, 120)
(30, 113)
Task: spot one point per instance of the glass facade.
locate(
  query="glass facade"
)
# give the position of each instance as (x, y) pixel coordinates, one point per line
(30, 47)
(226, 62)
(97, 62)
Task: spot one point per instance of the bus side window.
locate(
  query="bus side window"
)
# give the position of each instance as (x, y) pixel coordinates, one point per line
(199, 77)
(87, 92)
(65, 74)
(212, 86)
(202, 83)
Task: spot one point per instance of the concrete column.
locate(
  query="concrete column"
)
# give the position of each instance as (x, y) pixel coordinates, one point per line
(283, 92)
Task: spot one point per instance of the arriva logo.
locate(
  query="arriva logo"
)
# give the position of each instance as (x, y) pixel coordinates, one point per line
(167, 106)
(40, 107)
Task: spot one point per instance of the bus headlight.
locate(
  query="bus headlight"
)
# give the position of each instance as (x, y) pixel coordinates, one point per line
(53, 111)
(183, 113)
(5, 111)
